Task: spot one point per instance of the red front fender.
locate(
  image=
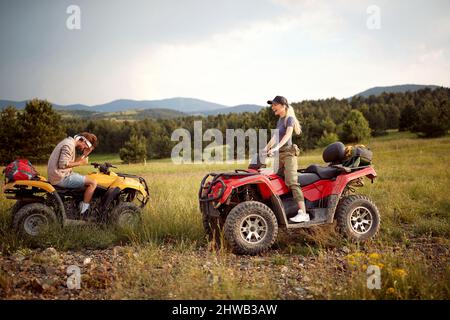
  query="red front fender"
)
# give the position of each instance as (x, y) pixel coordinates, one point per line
(265, 187)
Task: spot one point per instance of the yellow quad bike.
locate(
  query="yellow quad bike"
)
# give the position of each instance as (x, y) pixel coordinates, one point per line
(118, 199)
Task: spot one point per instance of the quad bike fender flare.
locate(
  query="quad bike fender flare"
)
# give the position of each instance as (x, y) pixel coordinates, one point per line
(60, 211)
(278, 210)
(140, 185)
(260, 181)
(341, 183)
(30, 183)
(10, 188)
(109, 197)
(145, 194)
(344, 179)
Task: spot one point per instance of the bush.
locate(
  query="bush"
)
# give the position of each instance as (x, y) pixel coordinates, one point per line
(355, 128)
(134, 150)
(433, 120)
(327, 138)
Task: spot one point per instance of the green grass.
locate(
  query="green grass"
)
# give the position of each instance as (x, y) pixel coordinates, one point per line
(411, 192)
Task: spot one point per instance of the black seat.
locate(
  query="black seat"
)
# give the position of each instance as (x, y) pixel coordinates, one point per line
(323, 172)
(305, 179)
(68, 190)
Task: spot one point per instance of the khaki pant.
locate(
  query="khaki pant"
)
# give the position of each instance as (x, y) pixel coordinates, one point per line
(288, 163)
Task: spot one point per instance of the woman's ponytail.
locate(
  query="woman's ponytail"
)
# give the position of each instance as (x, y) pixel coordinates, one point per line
(291, 113)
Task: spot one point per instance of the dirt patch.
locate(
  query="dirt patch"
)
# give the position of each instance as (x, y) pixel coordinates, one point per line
(166, 273)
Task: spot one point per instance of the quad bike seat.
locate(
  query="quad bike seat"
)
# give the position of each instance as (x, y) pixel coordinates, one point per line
(304, 179)
(323, 172)
(62, 190)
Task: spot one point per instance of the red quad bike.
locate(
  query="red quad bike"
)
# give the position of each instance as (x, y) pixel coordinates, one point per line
(246, 207)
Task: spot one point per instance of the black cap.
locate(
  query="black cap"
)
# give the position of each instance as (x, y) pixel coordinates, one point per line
(278, 99)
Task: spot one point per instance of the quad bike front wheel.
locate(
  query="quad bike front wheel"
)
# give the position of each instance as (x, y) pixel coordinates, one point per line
(357, 217)
(126, 215)
(251, 228)
(31, 219)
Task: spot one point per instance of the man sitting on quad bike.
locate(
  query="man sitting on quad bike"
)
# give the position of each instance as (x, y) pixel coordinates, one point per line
(62, 161)
(288, 152)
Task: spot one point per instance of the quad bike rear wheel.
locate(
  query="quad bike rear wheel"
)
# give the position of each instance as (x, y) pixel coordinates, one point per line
(357, 217)
(19, 204)
(251, 228)
(126, 215)
(31, 219)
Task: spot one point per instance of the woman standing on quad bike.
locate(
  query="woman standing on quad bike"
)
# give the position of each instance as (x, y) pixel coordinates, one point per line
(288, 124)
(62, 160)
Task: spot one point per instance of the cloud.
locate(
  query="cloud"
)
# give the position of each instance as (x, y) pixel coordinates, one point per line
(238, 52)
(223, 68)
(243, 65)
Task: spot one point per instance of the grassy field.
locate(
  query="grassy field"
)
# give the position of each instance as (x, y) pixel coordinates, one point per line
(169, 256)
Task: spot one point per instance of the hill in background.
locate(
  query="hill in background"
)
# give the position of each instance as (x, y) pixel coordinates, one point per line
(394, 89)
(130, 115)
(127, 109)
(165, 108)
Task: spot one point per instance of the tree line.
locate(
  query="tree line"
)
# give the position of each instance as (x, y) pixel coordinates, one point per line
(33, 132)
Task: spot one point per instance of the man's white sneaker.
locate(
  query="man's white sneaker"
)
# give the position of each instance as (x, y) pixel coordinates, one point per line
(83, 207)
(300, 217)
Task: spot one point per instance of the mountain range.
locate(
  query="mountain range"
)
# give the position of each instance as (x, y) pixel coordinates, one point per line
(394, 89)
(176, 107)
(179, 106)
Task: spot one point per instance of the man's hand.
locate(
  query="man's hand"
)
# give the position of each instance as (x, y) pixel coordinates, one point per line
(87, 151)
(82, 161)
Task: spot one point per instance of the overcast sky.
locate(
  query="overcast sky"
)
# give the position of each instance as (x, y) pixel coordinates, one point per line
(228, 51)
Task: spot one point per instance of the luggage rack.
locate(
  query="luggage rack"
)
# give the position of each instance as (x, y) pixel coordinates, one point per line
(348, 169)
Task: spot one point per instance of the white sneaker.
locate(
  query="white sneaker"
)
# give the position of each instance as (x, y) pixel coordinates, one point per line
(83, 207)
(300, 217)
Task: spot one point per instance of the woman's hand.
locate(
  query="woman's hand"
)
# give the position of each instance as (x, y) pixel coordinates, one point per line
(272, 151)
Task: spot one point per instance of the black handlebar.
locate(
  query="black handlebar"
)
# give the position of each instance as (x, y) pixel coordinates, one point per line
(103, 168)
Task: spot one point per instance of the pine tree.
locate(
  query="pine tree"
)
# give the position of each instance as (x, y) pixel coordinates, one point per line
(134, 150)
(40, 130)
(10, 130)
(433, 120)
(355, 128)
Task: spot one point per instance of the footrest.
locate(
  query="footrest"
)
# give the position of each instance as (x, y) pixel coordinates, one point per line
(305, 224)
